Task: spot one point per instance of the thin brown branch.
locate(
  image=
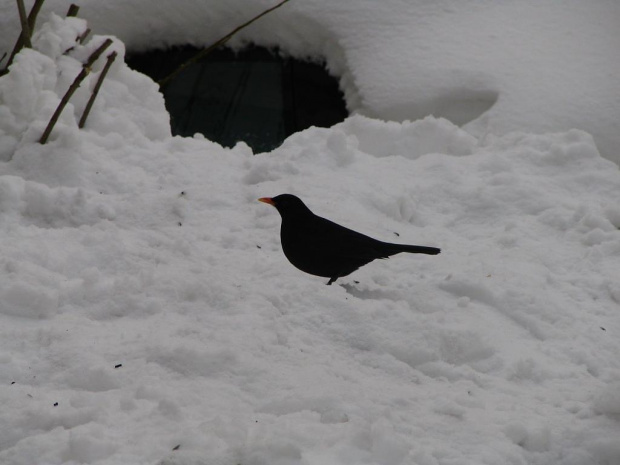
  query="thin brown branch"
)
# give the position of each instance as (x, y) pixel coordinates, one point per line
(93, 96)
(82, 37)
(76, 83)
(24, 21)
(19, 44)
(97, 53)
(32, 17)
(163, 82)
(73, 10)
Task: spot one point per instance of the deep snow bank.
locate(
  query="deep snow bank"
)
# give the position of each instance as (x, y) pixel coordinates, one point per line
(147, 314)
(534, 66)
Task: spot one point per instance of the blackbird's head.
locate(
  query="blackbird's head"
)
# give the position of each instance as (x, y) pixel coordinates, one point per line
(287, 204)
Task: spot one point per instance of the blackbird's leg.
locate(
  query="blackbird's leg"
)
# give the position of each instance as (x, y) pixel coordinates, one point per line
(331, 280)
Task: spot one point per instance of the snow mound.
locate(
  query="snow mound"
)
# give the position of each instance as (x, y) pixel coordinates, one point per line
(493, 68)
(39, 78)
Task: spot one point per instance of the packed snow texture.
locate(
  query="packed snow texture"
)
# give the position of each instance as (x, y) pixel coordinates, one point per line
(148, 315)
(491, 67)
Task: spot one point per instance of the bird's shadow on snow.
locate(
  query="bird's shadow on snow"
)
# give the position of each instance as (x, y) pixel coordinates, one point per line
(368, 294)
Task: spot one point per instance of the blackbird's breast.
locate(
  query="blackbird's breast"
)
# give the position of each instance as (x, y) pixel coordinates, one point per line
(306, 253)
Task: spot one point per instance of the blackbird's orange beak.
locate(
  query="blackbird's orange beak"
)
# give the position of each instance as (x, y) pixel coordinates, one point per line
(268, 200)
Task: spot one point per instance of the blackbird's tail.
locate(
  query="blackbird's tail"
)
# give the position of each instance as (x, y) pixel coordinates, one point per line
(398, 248)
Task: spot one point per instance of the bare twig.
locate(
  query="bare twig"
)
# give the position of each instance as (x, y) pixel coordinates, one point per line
(25, 26)
(93, 96)
(19, 44)
(163, 82)
(73, 10)
(32, 17)
(82, 37)
(76, 83)
(72, 13)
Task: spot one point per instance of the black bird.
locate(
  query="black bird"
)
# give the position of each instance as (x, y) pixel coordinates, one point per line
(323, 248)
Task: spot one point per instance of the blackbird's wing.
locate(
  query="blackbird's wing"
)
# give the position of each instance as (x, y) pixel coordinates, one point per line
(325, 247)
(326, 238)
(351, 243)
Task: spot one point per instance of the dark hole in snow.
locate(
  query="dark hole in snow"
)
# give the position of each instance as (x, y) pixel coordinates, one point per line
(254, 95)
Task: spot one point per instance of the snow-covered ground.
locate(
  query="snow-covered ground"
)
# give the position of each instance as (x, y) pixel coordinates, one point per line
(148, 315)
